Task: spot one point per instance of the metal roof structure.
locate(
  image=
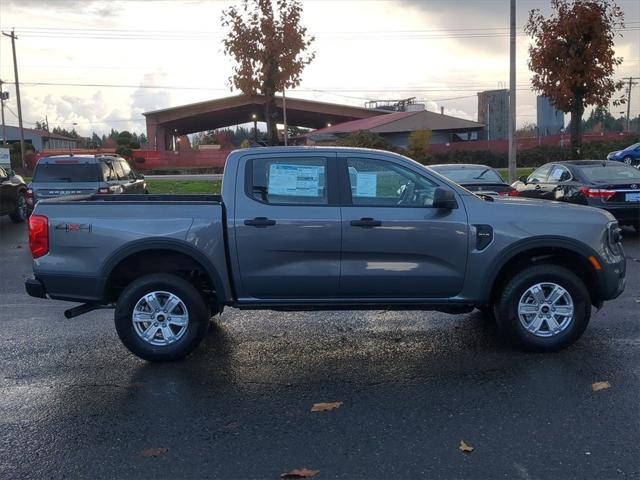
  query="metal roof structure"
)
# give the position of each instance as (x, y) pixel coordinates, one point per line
(239, 109)
(402, 122)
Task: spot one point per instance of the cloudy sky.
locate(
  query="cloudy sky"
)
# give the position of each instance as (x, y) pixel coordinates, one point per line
(100, 64)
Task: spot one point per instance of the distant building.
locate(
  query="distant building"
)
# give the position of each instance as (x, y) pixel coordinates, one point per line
(493, 112)
(396, 128)
(550, 120)
(41, 139)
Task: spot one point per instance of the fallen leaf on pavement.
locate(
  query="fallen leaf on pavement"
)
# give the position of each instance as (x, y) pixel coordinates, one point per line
(596, 387)
(154, 452)
(463, 447)
(300, 473)
(325, 407)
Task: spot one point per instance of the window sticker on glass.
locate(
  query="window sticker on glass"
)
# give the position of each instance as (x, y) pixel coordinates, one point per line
(295, 180)
(366, 184)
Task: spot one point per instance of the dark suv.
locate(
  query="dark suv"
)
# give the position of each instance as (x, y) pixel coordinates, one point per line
(83, 175)
(13, 192)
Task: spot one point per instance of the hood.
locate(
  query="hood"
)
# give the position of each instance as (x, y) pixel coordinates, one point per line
(549, 211)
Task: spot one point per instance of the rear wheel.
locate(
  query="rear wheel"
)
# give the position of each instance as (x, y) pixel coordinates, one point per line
(20, 214)
(161, 317)
(543, 308)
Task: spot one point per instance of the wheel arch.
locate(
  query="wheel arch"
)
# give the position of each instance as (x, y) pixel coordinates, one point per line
(176, 247)
(562, 251)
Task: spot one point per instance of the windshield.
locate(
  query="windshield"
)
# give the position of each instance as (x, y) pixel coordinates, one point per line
(56, 172)
(632, 147)
(470, 175)
(610, 173)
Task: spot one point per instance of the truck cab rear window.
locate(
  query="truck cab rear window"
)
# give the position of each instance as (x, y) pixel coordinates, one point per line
(56, 172)
(300, 181)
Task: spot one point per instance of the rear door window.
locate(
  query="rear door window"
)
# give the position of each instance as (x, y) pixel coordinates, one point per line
(66, 172)
(559, 174)
(540, 175)
(108, 173)
(295, 181)
(117, 166)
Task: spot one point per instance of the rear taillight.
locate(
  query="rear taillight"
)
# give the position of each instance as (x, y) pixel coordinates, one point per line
(104, 190)
(597, 193)
(513, 193)
(38, 235)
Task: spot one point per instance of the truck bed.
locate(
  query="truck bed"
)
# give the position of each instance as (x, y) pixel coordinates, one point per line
(90, 235)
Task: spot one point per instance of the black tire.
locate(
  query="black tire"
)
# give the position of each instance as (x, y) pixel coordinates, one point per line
(506, 308)
(21, 212)
(196, 309)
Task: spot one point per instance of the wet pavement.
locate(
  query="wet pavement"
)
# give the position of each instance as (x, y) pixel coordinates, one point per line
(74, 403)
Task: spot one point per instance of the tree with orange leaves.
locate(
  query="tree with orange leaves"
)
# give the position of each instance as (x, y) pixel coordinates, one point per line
(572, 57)
(269, 46)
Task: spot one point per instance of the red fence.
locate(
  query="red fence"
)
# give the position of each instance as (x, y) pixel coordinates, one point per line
(154, 160)
(502, 146)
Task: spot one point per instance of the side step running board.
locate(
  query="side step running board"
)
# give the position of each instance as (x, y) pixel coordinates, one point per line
(82, 309)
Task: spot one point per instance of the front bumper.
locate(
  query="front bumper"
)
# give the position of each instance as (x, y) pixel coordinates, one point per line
(35, 288)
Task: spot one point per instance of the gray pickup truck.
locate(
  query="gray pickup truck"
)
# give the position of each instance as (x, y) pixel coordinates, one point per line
(319, 229)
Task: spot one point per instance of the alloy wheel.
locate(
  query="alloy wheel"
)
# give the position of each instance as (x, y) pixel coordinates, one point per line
(546, 309)
(160, 318)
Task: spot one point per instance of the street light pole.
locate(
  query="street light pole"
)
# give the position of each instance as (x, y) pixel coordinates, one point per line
(512, 97)
(254, 117)
(13, 38)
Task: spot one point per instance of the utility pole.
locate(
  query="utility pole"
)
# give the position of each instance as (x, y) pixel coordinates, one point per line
(632, 82)
(13, 38)
(512, 97)
(3, 96)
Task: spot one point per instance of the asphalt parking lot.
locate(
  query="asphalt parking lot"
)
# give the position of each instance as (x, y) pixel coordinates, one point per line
(74, 403)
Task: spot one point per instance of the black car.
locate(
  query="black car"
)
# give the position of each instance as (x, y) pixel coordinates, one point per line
(612, 186)
(13, 196)
(476, 178)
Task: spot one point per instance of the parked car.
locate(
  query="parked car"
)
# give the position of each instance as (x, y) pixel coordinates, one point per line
(611, 186)
(630, 155)
(83, 175)
(324, 229)
(476, 178)
(13, 196)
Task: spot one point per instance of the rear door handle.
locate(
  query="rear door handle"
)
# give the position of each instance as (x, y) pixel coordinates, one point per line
(260, 222)
(366, 223)
(538, 187)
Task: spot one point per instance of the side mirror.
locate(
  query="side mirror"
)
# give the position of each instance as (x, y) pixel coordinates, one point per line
(11, 172)
(140, 176)
(523, 179)
(444, 198)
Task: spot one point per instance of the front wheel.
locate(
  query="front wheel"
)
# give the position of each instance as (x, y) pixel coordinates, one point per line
(161, 317)
(543, 308)
(628, 160)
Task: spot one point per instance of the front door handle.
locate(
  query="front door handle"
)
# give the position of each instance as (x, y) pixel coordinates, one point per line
(260, 222)
(538, 187)
(366, 223)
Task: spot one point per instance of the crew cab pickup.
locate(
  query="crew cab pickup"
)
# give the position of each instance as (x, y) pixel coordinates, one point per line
(325, 228)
